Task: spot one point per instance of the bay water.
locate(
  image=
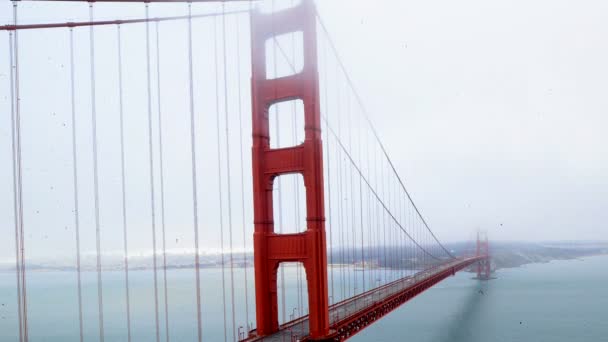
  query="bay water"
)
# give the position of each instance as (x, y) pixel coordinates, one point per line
(558, 301)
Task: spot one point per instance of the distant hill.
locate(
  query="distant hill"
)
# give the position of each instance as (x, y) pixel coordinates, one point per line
(504, 255)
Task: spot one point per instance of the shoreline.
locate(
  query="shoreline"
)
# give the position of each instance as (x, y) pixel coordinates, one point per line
(217, 267)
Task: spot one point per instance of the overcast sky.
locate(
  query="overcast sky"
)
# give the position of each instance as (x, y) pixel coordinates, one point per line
(494, 113)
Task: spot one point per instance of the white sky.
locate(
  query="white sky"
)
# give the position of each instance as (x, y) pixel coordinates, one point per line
(494, 113)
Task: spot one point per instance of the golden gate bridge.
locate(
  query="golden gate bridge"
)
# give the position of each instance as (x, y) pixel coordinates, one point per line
(318, 191)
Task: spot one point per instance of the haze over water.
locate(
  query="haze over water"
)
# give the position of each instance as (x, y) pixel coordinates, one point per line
(557, 301)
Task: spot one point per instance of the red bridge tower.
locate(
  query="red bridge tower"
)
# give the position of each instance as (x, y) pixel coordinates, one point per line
(309, 247)
(483, 249)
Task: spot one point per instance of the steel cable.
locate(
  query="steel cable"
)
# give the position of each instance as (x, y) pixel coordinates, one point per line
(194, 180)
(96, 177)
(75, 183)
(151, 164)
(15, 185)
(242, 164)
(219, 172)
(123, 181)
(20, 179)
(162, 182)
(366, 116)
(228, 178)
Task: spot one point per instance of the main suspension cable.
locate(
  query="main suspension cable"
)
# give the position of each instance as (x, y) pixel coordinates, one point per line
(367, 118)
(384, 205)
(16, 27)
(337, 137)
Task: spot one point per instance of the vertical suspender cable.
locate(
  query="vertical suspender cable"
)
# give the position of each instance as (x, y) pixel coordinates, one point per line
(75, 180)
(162, 181)
(17, 130)
(325, 112)
(383, 179)
(347, 212)
(17, 137)
(340, 197)
(396, 236)
(343, 211)
(15, 193)
(96, 176)
(408, 252)
(341, 225)
(369, 214)
(123, 182)
(194, 180)
(219, 172)
(377, 222)
(341, 194)
(361, 206)
(351, 197)
(402, 247)
(151, 164)
(413, 250)
(375, 133)
(225, 77)
(392, 230)
(242, 164)
(377, 219)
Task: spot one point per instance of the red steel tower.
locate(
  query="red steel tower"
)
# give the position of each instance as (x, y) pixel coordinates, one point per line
(309, 247)
(483, 249)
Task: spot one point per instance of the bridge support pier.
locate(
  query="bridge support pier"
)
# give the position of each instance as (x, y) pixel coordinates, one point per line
(309, 247)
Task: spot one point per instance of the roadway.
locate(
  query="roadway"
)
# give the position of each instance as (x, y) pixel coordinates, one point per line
(340, 313)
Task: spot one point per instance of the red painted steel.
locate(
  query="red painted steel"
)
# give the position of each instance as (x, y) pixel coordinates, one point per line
(483, 249)
(309, 247)
(352, 315)
(354, 324)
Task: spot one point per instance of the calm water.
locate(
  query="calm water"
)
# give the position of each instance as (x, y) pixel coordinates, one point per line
(559, 301)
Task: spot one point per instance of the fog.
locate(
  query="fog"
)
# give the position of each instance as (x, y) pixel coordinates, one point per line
(493, 112)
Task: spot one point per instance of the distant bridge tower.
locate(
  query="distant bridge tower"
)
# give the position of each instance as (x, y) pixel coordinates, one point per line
(483, 249)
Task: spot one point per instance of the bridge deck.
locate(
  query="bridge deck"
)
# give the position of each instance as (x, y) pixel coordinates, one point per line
(351, 315)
